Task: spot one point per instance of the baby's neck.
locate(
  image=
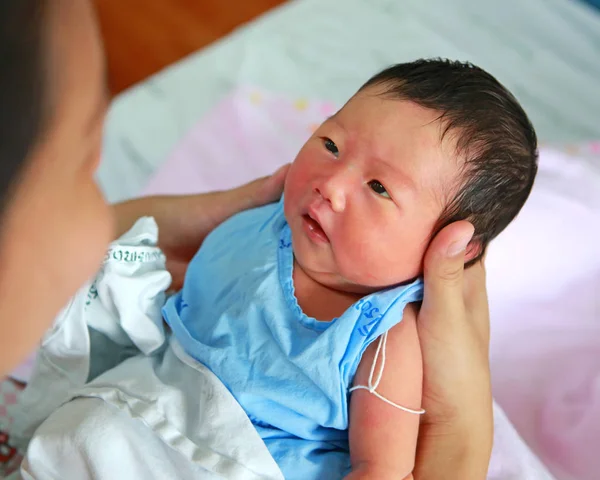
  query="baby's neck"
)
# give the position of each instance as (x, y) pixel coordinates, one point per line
(319, 301)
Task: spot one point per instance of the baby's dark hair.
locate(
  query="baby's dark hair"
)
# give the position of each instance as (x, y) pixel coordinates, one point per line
(492, 134)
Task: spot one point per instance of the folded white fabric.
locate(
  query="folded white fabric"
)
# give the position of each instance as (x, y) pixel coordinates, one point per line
(109, 319)
(157, 417)
(111, 398)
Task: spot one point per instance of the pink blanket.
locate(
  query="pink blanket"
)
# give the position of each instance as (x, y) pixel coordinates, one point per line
(544, 276)
(249, 134)
(544, 285)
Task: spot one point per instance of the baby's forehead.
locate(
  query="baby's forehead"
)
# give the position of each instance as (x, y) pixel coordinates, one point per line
(408, 137)
(395, 124)
(374, 112)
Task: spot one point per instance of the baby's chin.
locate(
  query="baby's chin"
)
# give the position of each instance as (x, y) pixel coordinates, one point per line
(345, 275)
(359, 285)
(368, 283)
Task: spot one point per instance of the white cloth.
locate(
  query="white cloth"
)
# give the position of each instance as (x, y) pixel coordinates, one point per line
(113, 397)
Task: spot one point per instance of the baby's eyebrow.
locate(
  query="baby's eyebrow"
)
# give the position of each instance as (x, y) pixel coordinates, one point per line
(402, 179)
(334, 119)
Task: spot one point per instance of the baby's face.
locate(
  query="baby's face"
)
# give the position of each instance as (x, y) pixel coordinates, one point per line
(365, 192)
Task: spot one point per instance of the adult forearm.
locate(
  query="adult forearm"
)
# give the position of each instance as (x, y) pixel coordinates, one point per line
(126, 213)
(170, 210)
(196, 215)
(453, 456)
(185, 214)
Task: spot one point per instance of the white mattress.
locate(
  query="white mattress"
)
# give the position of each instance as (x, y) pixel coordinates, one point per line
(546, 51)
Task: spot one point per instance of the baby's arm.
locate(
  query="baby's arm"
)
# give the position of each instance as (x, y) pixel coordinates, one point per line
(383, 438)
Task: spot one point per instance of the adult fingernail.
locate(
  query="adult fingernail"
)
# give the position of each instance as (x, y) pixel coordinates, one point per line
(460, 245)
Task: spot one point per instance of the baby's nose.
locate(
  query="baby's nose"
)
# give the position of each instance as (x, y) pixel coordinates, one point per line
(333, 195)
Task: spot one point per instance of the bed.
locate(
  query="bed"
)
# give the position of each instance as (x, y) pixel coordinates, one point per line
(546, 51)
(164, 136)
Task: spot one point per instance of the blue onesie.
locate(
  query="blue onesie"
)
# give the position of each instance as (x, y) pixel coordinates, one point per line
(238, 315)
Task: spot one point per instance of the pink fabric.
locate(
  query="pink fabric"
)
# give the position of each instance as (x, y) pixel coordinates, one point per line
(544, 286)
(249, 134)
(10, 457)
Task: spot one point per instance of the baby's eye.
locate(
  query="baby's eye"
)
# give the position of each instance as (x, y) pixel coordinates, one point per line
(332, 147)
(379, 189)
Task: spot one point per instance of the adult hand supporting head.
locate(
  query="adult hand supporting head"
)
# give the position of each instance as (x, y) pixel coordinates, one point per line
(456, 433)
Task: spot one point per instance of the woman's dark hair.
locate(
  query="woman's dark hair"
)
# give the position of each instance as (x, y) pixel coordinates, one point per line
(22, 86)
(492, 133)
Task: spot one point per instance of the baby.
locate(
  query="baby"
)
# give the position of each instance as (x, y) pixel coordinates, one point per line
(306, 309)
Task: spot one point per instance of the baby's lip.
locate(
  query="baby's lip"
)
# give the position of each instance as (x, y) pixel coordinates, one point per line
(313, 213)
(314, 225)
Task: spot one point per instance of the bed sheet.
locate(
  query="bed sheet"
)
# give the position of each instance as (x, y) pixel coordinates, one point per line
(546, 51)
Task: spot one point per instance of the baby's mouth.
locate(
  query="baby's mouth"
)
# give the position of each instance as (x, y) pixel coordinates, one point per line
(313, 229)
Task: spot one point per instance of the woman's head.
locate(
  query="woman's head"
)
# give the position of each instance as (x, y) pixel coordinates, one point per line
(55, 224)
(23, 90)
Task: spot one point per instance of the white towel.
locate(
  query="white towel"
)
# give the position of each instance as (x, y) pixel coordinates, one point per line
(112, 397)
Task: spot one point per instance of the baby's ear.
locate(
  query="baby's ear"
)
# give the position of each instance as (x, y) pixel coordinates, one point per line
(474, 249)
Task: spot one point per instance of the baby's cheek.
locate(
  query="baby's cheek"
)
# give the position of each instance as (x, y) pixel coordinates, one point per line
(297, 180)
(290, 191)
(380, 258)
(359, 259)
(412, 253)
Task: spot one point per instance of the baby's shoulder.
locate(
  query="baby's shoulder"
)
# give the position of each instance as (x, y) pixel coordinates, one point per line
(237, 246)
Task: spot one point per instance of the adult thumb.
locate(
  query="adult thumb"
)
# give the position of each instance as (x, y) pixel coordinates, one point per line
(444, 266)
